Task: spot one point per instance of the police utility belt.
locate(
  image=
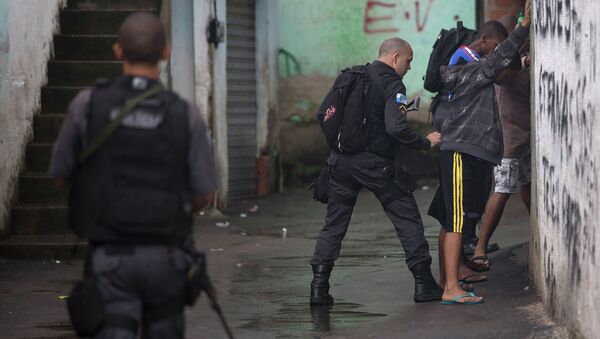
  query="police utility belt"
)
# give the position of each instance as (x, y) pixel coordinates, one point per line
(397, 174)
(86, 304)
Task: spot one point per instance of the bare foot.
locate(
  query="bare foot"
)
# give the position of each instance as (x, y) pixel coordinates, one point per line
(464, 272)
(454, 293)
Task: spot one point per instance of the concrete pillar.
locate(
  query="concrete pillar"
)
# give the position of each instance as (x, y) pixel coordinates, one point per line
(219, 105)
(267, 94)
(182, 40)
(202, 74)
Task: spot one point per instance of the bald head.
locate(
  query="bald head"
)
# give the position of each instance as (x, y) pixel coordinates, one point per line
(142, 38)
(397, 54)
(394, 45)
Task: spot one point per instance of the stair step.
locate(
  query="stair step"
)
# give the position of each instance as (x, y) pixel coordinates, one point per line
(38, 188)
(84, 47)
(57, 247)
(81, 73)
(46, 127)
(55, 100)
(113, 4)
(94, 21)
(37, 157)
(39, 219)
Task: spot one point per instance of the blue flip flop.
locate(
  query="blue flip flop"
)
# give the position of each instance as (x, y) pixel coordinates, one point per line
(455, 301)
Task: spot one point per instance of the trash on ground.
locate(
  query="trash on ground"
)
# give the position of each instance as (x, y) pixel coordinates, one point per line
(222, 224)
(57, 261)
(253, 208)
(201, 213)
(243, 233)
(425, 188)
(239, 265)
(216, 250)
(284, 232)
(243, 215)
(526, 288)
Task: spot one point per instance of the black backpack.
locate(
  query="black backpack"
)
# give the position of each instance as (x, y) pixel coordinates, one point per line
(343, 113)
(446, 44)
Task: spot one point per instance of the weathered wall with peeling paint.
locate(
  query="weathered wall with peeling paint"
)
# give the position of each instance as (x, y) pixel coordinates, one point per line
(26, 30)
(326, 36)
(319, 38)
(566, 242)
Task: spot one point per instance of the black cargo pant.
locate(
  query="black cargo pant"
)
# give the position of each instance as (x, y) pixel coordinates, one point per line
(133, 279)
(348, 174)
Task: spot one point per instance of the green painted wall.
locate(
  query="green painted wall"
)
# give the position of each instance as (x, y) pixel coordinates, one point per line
(325, 36)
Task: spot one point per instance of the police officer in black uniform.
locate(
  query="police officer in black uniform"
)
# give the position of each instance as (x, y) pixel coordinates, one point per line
(373, 170)
(134, 189)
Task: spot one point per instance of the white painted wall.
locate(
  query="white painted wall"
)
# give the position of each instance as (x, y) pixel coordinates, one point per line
(182, 57)
(203, 85)
(566, 251)
(26, 42)
(266, 72)
(219, 107)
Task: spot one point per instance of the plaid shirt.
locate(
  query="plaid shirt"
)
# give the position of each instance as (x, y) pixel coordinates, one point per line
(473, 126)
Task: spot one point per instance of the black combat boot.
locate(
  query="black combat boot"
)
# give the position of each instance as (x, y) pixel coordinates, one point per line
(319, 287)
(426, 288)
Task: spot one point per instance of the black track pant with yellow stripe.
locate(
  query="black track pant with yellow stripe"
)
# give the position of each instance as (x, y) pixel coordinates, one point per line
(465, 184)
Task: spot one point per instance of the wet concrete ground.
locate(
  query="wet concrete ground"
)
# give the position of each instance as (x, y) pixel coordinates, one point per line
(263, 280)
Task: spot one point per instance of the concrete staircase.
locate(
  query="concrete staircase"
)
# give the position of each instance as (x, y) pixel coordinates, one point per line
(82, 53)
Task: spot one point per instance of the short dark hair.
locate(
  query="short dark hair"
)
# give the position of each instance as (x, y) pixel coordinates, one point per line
(143, 38)
(494, 29)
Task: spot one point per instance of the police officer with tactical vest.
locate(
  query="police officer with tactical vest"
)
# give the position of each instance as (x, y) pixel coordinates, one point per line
(362, 156)
(138, 161)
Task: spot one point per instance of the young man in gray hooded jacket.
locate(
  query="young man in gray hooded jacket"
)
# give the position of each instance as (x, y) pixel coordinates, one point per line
(471, 146)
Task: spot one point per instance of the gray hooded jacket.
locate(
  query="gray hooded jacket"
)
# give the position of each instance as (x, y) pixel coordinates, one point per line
(473, 126)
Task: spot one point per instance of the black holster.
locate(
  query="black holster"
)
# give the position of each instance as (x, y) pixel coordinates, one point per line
(320, 186)
(403, 180)
(86, 306)
(198, 279)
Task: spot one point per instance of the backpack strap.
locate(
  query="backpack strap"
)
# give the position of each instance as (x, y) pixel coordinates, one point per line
(376, 81)
(101, 138)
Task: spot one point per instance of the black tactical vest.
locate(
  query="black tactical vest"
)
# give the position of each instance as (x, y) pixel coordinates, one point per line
(135, 188)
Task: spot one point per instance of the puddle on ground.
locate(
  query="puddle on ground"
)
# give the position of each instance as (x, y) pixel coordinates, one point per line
(57, 326)
(275, 294)
(300, 319)
(45, 291)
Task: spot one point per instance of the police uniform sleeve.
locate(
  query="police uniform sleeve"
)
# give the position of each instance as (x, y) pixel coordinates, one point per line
(70, 138)
(203, 176)
(396, 124)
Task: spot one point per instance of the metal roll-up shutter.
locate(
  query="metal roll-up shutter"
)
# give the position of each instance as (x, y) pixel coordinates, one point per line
(241, 98)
